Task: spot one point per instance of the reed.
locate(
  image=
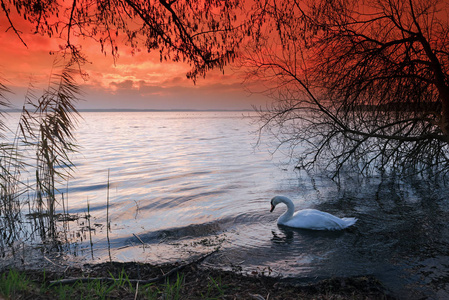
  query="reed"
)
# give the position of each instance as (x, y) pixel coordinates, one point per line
(89, 228)
(11, 164)
(108, 224)
(51, 125)
(43, 142)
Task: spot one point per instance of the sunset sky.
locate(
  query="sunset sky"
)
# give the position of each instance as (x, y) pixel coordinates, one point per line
(138, 81)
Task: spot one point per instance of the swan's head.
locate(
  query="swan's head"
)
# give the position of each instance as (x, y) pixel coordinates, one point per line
(275, 201)
(280, 199)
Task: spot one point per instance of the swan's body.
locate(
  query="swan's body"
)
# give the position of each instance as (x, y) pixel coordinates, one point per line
(309, 218)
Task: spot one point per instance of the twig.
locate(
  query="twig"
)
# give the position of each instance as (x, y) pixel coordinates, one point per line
(49, 260)
(137, 289)
(151, 280)
(143, 244)
(256, 296)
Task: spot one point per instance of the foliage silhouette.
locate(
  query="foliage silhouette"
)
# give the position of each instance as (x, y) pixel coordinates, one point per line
(357, 85)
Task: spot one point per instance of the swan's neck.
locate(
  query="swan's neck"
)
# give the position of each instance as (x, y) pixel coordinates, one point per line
(290, 210)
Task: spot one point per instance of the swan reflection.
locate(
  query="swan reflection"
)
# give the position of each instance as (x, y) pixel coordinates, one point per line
(287, 235)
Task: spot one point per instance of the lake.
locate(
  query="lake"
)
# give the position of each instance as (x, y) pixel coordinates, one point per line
(183, 183)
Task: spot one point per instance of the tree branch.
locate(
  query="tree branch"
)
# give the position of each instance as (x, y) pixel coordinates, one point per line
(11, 24)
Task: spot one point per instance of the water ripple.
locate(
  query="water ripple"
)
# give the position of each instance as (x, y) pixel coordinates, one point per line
(187, 182)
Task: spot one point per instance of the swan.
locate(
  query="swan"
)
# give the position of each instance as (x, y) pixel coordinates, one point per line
(309, 218)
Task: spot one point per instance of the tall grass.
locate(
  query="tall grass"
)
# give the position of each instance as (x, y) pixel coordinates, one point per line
(43, 142)
(10, 166)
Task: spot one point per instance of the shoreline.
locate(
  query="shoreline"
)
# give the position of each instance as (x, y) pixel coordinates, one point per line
(192, 281)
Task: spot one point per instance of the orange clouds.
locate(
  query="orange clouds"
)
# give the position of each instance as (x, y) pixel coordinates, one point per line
(138, 77)
(133, 81)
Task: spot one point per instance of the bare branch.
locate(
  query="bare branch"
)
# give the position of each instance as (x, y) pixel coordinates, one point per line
(5, 10)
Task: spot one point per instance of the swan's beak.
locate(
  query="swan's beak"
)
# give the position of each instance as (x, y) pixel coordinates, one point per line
(272, 208)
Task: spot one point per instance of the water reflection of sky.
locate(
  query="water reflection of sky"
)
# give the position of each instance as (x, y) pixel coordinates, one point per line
(179, 178)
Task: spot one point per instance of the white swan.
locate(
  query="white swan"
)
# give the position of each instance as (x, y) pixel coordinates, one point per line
(309, 218)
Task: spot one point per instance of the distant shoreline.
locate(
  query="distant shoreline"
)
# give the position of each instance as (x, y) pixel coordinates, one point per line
(147, 110)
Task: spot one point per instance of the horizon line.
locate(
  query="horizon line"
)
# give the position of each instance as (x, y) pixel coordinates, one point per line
(145, 110)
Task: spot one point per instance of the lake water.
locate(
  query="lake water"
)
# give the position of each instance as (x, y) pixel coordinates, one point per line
(184, 183)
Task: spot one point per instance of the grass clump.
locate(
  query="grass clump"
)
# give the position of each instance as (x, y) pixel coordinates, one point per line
(95, 289)
(13, 283)
(16, 284)
(215, 288)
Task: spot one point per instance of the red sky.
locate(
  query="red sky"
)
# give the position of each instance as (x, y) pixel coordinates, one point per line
(136, 81)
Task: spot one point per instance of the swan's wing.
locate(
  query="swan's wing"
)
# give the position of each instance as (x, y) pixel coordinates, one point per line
(318, 220)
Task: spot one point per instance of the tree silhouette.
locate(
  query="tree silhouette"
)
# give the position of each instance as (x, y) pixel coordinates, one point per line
(202, 33)
(357, 84)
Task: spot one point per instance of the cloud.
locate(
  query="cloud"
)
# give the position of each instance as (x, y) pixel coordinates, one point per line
(146, 95)
(136, 80)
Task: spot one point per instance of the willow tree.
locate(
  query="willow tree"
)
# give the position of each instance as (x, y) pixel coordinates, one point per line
(357, 84)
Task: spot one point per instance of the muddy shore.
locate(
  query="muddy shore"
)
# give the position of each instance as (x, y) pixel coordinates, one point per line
(197, 282)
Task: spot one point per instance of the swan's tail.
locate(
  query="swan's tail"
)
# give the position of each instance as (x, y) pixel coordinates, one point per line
(348, 222)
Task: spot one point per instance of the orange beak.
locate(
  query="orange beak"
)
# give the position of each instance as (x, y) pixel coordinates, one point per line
(272, 208)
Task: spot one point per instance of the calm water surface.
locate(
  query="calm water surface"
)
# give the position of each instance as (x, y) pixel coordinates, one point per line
(186, 182)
